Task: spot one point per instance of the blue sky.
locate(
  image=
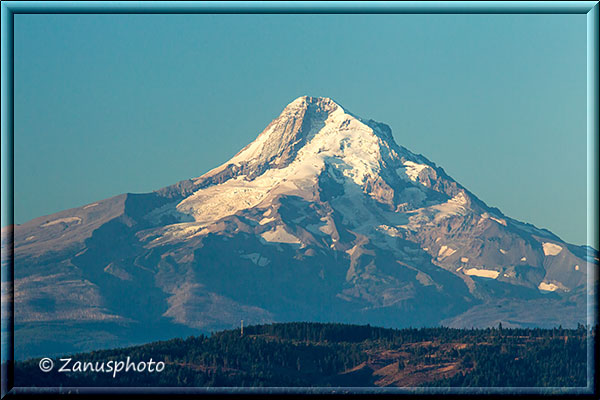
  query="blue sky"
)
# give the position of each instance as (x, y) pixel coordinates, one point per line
(108, 104)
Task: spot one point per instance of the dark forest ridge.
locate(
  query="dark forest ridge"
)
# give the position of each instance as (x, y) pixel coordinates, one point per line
(303, 354)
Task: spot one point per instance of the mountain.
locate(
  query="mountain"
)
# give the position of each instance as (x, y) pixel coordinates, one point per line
(322, 218)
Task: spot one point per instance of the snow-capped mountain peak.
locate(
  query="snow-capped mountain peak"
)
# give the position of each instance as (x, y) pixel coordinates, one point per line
(306, 120)
(311, 138)
(322, 217)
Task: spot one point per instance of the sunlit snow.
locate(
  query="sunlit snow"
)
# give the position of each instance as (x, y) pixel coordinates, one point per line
(499, 220)
(279, 235)
(547, 287)
(412, 169)
(551, 249)
(484, 273)
(446, 251)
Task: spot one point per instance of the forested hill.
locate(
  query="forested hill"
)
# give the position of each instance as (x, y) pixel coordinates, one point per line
(339, 355)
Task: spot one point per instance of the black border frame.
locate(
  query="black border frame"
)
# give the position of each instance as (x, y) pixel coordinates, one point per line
(10, 8)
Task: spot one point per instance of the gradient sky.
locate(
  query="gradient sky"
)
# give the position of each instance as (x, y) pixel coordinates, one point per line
(108, 104)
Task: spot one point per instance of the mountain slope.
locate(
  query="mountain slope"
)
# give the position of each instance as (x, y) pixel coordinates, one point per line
(322, 218)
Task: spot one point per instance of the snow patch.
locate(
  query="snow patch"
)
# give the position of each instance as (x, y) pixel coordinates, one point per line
(215, 202)
(66, 220)
(464, 259)
(445, 251)
(183, 230)
(29, 238)
(484, 273)
(499, 220)
(523, 258)
(412, 170)
(547, 287)
(389, 230)
(266, 221)
(459, 199)
(254, 149)
(279, 235)
(551, 249)
(502, 251)
(577, 268)
(90, 206)
(325, 228)
(424, 279)
(455, 206)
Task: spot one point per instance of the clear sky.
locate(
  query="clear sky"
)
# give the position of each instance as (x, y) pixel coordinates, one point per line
(108, 104)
